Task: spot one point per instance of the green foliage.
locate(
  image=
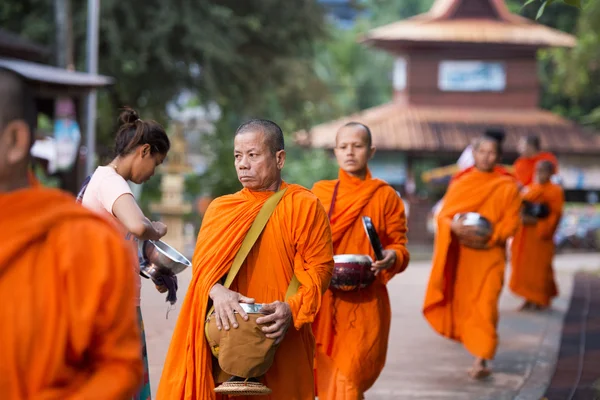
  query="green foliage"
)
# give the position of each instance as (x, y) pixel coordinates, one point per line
(578, 69)
(306, 167)
(357, 76)
(545, 3)
(570, 78)
(227, 51)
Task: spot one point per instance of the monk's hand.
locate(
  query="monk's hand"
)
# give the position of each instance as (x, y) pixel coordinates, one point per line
(461, 230)
(226, 303)
(389, 259)
(529, 220)
(278, 320)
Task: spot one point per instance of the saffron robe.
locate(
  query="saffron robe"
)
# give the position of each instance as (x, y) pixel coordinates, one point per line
(69, 325)
(532, 276)
(296, 240)
(461, 302)
(525, 166)
(352, 328)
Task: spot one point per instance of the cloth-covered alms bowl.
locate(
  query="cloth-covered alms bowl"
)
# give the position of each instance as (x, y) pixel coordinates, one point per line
(352, 272)
(161, 259)
(482, 226)
(244, 354)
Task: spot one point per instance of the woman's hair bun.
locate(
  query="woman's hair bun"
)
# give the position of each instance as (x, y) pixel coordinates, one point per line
(128, 116)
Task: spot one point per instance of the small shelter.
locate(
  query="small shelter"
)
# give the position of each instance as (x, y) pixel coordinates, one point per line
(49, 83)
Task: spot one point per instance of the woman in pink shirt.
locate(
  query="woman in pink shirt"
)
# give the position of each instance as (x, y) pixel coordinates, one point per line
(140, 147)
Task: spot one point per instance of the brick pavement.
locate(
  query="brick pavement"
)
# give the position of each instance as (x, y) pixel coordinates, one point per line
(420, 364)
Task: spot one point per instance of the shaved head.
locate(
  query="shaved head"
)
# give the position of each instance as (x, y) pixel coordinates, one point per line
(488, 139)
(367, 131)
(543, 171)
(546, 166)
(272, 131)
(17, 125)
(16, 101)
(486, 152)
(533, 141)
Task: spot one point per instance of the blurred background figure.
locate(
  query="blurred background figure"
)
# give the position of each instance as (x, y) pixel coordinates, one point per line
(69, 328)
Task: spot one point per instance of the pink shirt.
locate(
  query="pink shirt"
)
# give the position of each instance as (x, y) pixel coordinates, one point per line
(105, 187)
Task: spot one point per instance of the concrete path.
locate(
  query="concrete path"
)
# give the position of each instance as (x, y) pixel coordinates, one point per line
(420, 364)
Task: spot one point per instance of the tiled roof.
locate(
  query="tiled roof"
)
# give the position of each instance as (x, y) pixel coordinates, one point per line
(440, 26)
(448, 129)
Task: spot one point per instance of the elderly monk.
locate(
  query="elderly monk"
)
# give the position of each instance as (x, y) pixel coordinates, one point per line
(296, 240)
(466, 279)
(531, 154)
(69, 328)
(352, 328)
(533, 247)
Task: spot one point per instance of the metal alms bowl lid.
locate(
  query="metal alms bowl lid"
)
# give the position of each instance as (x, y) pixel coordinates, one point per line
(254, 308)
(474, 219)
(352, 258)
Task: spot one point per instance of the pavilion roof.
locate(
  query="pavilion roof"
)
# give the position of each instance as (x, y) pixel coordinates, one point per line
(451, 129)
(467, 21)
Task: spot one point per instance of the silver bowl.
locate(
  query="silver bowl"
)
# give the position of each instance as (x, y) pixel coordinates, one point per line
(254, 308)
(483, 225)
(161, 259)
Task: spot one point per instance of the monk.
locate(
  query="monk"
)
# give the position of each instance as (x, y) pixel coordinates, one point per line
(296, 240)
(352, 328)
(69, 328)
(461, 302)
(467, 164)
(531, 154)
(533, 247)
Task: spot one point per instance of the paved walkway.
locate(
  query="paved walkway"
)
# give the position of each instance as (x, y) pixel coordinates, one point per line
(420, 364)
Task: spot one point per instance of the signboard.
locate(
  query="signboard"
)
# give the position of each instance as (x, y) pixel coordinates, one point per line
(471, 76)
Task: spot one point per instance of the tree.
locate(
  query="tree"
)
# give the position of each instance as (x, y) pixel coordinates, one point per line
(545, 3)
(578, 70)
(225, 50)
(359, 77)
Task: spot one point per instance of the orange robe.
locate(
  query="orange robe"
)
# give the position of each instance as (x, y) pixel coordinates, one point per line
(352, 328)
(525, 166)
(69, 325)
(296, 240)
(498, 168)
(533, 248)
(461, 302)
